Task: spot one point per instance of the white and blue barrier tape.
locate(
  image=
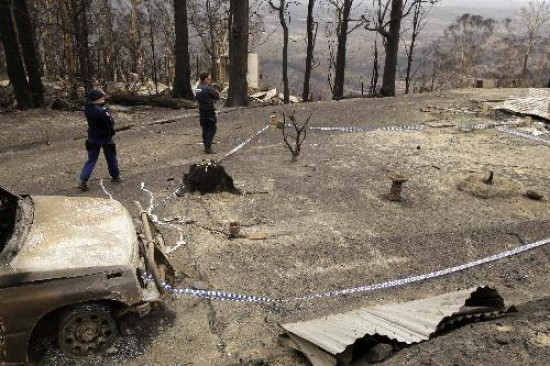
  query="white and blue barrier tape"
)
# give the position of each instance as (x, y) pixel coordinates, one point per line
(523, 135)
(237, 297)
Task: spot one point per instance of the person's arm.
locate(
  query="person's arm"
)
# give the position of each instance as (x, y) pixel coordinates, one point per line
(213, 93)
(107, 120)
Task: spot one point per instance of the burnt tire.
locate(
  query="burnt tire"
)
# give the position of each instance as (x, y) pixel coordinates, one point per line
(86, 329)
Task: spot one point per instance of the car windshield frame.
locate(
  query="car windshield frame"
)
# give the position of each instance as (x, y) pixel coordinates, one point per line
(16, 214)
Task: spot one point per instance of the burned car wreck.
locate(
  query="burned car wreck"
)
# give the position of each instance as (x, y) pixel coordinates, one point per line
(74, 264)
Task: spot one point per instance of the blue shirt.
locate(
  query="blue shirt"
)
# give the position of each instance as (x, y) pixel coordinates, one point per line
(206, 95)
(101, 126)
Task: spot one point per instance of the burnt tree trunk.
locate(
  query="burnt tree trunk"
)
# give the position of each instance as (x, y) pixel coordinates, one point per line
(69, 70)
(14, 61)
(79, 12)
(340, 72)
(309, 52)
(238, 53)
(375, 69)
(392, 49)
(182, 77)
(281, 10)
(28, 48)
(135, 40)
(106, 65)
(214, 57)
(286, 92)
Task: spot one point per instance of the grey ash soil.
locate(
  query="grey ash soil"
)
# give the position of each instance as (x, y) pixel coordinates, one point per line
(326, 221)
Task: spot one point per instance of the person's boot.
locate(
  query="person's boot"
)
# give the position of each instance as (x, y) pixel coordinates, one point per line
(82, 185)
(208, 150)
(117, 180)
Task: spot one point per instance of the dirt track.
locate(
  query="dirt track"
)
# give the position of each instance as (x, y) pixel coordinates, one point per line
(327, 222)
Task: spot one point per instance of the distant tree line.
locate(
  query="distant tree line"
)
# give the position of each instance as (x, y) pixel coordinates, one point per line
(86, 44)
(513, 52)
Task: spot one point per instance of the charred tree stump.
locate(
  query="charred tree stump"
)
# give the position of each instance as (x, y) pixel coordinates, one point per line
(208, 177)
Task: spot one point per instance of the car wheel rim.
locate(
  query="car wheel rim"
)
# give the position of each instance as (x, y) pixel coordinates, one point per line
(88, 333)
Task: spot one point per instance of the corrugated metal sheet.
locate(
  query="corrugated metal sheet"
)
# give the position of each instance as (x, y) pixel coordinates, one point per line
(409, 322)
(537, 103)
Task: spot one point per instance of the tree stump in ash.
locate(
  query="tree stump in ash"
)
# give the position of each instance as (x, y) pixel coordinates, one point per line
(208, 177)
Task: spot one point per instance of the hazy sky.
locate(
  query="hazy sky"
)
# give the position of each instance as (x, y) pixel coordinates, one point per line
(505, 4)
(484, 4)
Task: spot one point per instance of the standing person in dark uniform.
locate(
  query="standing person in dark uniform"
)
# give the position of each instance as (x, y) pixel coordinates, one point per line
(100, 136)
(206, 96)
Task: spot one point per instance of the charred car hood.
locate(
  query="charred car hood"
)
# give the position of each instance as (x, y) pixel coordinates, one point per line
(73, 236)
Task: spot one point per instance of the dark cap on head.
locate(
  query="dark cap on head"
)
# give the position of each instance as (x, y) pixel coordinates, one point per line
(95, 94)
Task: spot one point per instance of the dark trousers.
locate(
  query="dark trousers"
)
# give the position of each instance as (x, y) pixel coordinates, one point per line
(208, 124)
(109, 150)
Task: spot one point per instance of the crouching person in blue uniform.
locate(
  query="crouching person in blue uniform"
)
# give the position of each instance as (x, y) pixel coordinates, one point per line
(206, 96)
(101, 129)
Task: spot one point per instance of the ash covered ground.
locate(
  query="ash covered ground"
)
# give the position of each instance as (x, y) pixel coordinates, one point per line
(324, 222)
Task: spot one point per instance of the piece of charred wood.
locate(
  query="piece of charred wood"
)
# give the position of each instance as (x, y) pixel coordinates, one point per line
(397, 185)
(488, 179)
